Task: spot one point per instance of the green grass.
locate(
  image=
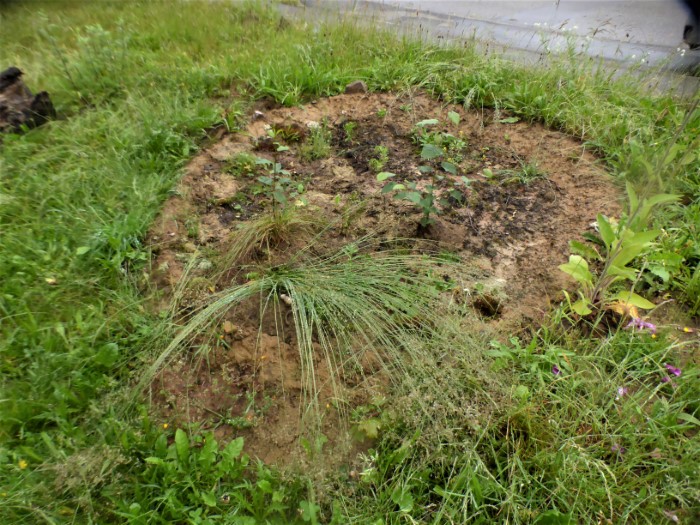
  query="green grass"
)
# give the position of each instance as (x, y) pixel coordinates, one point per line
(136, 86)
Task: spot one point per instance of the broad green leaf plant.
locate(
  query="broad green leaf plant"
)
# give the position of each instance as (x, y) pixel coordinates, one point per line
(622, 243)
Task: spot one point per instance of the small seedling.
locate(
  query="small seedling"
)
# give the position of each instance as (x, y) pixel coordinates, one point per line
(241, 164)
(381, 113)
(424, 199)
(314, 446)
(440, 144)
(192, 227)
(277, 185)
(377, 164)
(349, 128)
(318, 145)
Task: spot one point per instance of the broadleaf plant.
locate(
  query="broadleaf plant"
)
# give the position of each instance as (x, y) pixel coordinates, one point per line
(622, 242)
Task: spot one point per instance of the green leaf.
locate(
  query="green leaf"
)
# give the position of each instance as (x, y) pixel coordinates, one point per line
(554, 517)
(384, 175)
(626, 254)
(208, 498)
(107, 355)
(449, 167)
(244, 520)
(689, 419)
(577, 267)
(634, 299)
(646, 237)
(661, 272)
(265, 485)
(425, 169)
(279, 196)
(430, 152)
(309, 511)
(521, 392)
(182, 445)
(427, 122)
(82, 250)
(456, 195)
(265, 180)
(579, 248)
(454, 117)
(233, 450)
(391, 186)
(369, 428)
(661, 198)
(207, 454)
(627, 273)
(154, 461)
(412, 196)
(403, 499)
(509, 120)
(581, 307)
(606, 231)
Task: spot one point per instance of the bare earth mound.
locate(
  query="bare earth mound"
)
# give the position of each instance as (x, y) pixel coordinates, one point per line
(528, 191)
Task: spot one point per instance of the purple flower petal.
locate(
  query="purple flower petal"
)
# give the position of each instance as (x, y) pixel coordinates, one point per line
(641, 324)
(617, 448)
(621, 392)
(675, 371)
(555, 370)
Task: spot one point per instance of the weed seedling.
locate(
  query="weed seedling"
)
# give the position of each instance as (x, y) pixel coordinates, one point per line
(424, 198)
(377, 164)
(440, 145)
(318, 145)
(277, 185)
(349, 128)
(241, 164)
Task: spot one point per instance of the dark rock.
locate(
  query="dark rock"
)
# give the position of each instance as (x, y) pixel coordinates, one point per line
(356, 87)
(18, 106)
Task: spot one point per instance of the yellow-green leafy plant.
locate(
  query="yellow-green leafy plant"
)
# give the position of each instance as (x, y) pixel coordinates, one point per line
(622, 242)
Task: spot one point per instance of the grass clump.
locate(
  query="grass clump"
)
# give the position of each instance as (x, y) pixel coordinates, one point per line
(318, 144)
(266, 232)
(344, 306)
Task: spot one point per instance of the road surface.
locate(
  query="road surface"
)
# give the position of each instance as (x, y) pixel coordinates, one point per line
(644, 33)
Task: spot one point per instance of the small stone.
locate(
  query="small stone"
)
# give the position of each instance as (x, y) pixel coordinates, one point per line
(258, 115)
(356, 87)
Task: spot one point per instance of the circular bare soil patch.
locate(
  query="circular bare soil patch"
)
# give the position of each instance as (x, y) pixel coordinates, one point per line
(508, 197)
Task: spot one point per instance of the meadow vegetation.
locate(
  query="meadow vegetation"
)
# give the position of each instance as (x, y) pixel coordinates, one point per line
(580, 420)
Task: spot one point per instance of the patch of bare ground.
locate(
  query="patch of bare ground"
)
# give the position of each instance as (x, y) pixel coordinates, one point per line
(510, 231)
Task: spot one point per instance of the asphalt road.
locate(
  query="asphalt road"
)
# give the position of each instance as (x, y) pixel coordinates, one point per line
(639, 33)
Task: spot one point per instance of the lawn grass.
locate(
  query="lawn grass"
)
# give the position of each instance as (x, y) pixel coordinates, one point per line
(136, 85)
